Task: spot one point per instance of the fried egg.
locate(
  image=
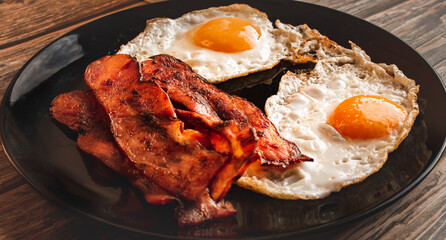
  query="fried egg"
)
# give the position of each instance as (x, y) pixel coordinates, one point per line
(219, 43)
(347, 114)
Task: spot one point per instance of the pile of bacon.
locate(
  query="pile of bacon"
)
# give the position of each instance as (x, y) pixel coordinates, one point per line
(170, 133)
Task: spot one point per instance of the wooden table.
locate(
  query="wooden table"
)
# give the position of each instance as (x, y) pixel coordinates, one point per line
(27, 26)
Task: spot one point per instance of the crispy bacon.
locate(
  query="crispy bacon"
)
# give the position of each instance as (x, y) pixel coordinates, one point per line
(186, 87)
(173, 135)
(145, 126)
(81, 112)
(226, 138)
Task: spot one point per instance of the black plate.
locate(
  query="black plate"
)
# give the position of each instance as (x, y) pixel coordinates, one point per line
(45, 152)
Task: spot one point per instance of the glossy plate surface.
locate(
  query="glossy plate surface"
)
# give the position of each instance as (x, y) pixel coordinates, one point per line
(45, 152)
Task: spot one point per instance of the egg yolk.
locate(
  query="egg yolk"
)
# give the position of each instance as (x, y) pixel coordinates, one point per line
(227, 35)
(367, 117)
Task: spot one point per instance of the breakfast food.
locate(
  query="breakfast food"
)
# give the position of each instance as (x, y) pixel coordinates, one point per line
(191, 152)
(219, 43)
(144, 124)
(81, 112)
(152, 115)
(347, 114)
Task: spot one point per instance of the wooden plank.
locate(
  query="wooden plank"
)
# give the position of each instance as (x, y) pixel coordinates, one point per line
(361, 8)
(8, 176)
(14, 57)
(26, 214)
(419, 23)
(423, 28)
(415, 27)
(43, 17)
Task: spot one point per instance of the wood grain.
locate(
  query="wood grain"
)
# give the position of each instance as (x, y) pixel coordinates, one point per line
(28, 45)
(27, 26)
(419, 23)
(42, 17)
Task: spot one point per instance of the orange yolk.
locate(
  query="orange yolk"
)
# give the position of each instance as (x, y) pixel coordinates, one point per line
(227, 35)
(366, 117)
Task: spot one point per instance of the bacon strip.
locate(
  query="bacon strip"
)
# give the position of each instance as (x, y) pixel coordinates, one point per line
(193, 150)
(145, 126)
(81, 112)
(185, 86)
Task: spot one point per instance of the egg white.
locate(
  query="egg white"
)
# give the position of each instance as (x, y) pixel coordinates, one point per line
(301, 109)
(171, 36)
